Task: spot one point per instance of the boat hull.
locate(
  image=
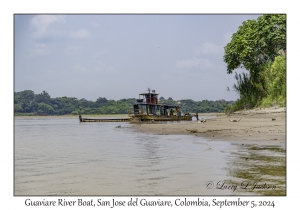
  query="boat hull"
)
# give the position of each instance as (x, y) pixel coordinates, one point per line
(161, 118)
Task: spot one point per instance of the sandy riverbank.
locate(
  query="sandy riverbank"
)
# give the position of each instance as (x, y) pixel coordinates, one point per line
(261, 126)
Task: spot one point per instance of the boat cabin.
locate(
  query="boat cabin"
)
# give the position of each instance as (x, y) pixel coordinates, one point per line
(148, 107)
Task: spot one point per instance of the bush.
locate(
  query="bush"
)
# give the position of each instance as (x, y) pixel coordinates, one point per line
(75, 113)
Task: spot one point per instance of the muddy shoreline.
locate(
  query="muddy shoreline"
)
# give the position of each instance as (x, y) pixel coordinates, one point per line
(261, 127)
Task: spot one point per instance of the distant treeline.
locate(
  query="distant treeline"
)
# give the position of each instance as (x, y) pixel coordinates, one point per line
(28, 103)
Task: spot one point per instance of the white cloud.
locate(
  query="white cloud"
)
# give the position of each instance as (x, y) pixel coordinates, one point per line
(80, 34)
(41, 23)
(104, 68)
(94, 24)
(194, 62)
(102, 52)
(72, 49)
(209, 48)
(79, 68)
(40, 49)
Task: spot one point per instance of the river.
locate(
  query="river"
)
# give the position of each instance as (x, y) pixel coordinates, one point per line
(61, 156)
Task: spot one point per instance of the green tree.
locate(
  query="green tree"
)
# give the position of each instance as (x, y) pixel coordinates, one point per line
(26, 99)
(275, 74)
(27, 95)
(254, 47)
(101, 100)
(43, 97)
(45, 109)
(18, 108)
(256, 42)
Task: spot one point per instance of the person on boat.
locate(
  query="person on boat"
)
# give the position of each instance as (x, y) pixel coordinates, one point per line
(197, 115)
(178, 111)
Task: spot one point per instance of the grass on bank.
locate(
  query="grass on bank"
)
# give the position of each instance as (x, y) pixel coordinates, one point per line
(264, 89)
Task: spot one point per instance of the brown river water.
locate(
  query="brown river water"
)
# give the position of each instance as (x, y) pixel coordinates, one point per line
(61, 156)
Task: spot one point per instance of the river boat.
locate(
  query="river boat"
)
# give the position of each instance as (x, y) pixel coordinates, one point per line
(148, 108)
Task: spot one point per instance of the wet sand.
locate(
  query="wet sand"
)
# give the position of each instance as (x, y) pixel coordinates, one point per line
(260, 126)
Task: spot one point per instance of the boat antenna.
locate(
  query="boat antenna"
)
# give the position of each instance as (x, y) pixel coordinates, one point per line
(149, 90)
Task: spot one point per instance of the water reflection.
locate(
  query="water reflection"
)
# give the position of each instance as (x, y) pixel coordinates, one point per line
(258, 170)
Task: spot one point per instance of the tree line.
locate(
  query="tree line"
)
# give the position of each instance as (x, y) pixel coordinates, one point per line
(259, 46)
(28, 103)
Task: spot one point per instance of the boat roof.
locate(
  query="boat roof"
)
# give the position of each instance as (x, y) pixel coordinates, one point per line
(165, 105)
(148, 93)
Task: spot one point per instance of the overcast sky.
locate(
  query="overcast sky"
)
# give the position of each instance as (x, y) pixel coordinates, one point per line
(120, 56)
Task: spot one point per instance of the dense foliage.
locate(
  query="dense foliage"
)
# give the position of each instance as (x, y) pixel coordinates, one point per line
(259, 46)
(28, 103)
(256, 42)
(275, 81)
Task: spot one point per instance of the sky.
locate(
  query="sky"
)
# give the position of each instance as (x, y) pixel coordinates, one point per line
(119, 56)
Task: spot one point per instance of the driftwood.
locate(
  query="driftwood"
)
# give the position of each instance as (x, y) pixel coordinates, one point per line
(201, 121)
(192, 131)
(234, 120)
